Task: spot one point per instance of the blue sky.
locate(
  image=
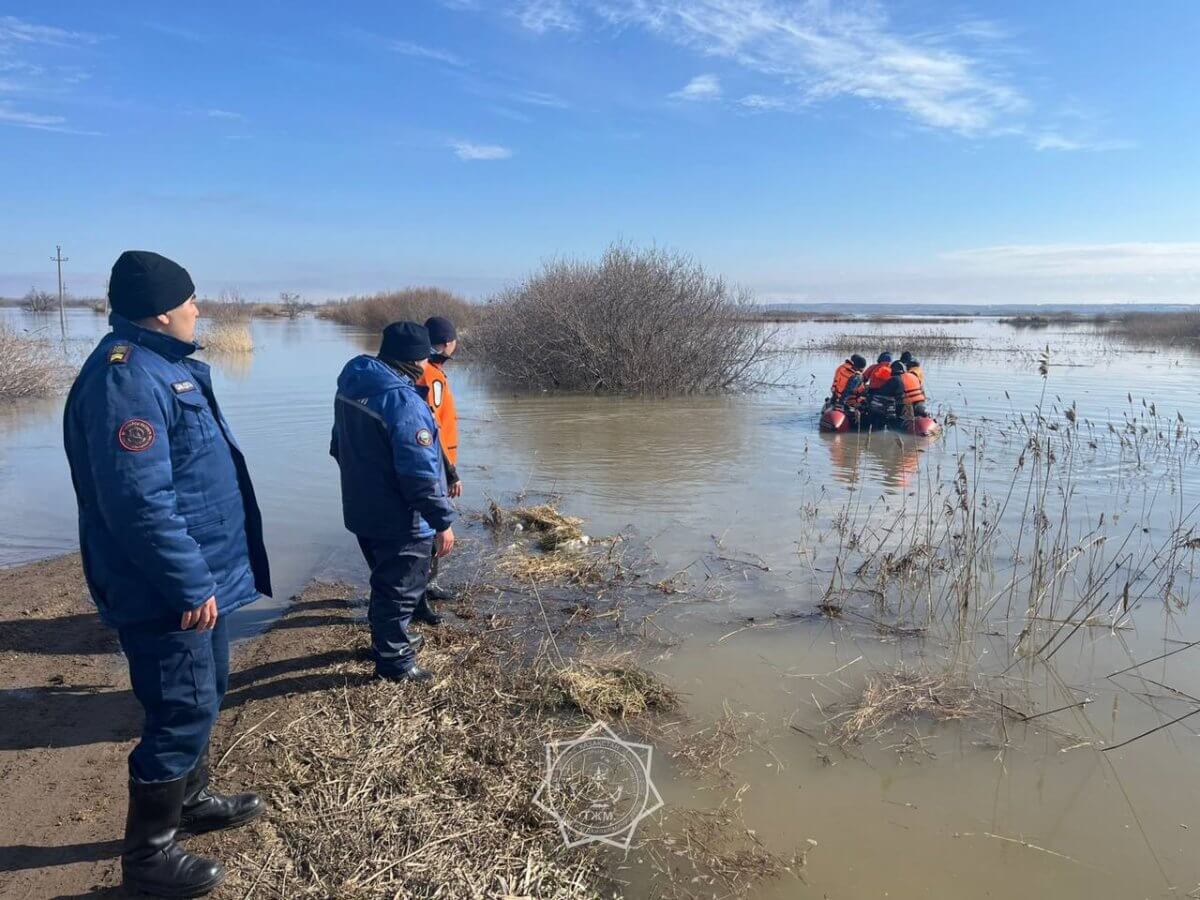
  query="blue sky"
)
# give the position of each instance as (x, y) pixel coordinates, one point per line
(925, 151)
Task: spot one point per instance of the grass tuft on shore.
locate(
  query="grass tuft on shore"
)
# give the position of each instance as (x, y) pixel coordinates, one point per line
(612, 688)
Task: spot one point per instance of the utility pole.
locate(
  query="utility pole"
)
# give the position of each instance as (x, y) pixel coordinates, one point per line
(60, 259)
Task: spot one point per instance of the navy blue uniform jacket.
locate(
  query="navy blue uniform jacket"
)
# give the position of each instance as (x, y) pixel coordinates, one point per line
(386, 444)
(167, 513)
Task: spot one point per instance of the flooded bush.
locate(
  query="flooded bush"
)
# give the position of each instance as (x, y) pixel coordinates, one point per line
(639, 321)
(411, 304)
(28, 366)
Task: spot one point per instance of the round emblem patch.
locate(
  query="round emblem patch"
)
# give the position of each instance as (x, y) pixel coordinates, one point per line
(425, 437)
(136, 435)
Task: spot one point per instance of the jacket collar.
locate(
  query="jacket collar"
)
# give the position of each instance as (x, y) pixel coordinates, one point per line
(163, 344)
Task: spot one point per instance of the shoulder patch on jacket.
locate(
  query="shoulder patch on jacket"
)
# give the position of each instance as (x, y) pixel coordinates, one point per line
(135, 435)
(119, 353)
(425, 437)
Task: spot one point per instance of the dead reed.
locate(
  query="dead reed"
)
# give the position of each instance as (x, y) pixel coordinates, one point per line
(935, 342)
(905, 695)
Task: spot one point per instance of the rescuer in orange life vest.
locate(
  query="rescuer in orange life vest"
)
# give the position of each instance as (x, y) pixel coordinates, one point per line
(876, 376)
(848, 386)
(912, 365)
(905, 392)
(444, 339)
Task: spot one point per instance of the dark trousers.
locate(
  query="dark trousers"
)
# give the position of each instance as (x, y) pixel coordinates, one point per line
(399, 575)
(179, 678)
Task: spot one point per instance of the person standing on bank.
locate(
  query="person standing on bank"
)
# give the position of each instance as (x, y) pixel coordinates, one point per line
(171, 539)
(444, 339)
(394, 494)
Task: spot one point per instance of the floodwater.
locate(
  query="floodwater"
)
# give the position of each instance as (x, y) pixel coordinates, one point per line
(746, 498)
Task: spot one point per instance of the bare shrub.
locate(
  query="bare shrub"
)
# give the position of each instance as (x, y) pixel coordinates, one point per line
(639, 321)
(229, 307)
(290, 303)
(28, 366)
(414, 304)
(38, 301)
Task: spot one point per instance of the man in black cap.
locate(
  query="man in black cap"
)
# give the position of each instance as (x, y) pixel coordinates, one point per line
(394, 494)
(444, 339)
(171, 539)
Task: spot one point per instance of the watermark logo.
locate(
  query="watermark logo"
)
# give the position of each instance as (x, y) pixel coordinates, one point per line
(598, 787)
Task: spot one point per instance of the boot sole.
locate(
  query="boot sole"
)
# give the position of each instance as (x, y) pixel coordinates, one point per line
(191, 831)
(137, 888)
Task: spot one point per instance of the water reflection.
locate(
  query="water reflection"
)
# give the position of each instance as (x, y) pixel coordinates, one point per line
(237, 366)
(885, 457)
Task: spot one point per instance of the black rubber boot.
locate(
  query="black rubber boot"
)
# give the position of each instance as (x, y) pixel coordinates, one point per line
(435, 591)
(151, 860)
(424, 612)
(205, 811)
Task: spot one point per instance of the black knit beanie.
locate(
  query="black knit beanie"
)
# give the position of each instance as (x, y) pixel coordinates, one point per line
(405, 342)
(144, 284)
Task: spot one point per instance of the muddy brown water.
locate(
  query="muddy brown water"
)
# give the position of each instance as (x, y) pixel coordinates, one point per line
(743, 494)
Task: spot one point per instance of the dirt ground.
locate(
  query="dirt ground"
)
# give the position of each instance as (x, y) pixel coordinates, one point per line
(70, 720)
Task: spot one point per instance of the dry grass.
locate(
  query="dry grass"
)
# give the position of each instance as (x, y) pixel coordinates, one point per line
(227, 337)
(426, 792)
(553, 529)
(902, 696)
(933, 343)
(592, 567)
(611, 688)
(379, 790)
(28, 366)
(414, 304)
(712, 853)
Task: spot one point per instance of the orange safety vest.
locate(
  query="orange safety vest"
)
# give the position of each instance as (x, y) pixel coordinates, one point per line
(913, 391)
(842, 377)
(441, 401)
(919, 372)
(878, 375)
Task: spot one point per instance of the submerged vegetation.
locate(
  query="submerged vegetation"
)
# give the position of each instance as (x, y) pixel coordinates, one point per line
(414, 304)
(936, 342)
(638, 321)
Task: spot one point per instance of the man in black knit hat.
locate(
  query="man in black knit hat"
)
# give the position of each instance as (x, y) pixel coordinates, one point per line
(171, 539)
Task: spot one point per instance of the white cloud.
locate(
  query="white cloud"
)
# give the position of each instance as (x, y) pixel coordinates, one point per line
(224, 114)
(408, 48)
(540, 98)
(541, 16)
(1083, 260)
(14, 30)
(23, 58)
(761, 103)
(702, 87)
(819, 52)
(466, 150)
(1053, 141)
